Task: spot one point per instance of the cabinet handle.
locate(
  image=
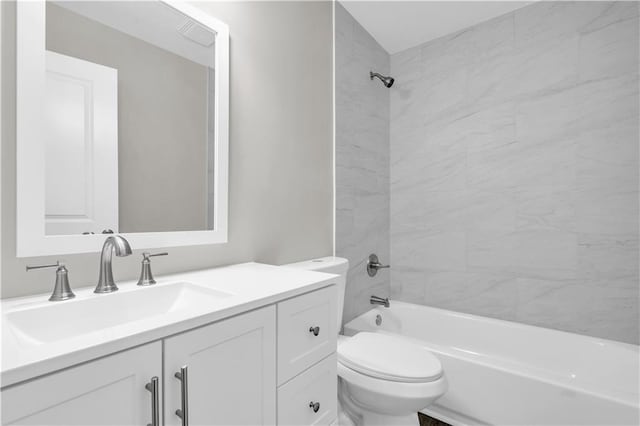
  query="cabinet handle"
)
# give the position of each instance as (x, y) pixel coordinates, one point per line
(183, 413)
(315, 406)
(152, 387)
(315, 330)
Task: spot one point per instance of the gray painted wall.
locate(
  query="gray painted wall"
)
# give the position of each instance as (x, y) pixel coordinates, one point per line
(162, 123)
(514, 169)
(362, 160)
(280, 193)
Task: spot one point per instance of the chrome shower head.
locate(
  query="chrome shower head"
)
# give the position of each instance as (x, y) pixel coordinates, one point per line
(387, 81)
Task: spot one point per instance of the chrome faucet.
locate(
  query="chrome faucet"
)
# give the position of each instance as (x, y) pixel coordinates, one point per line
(375, 300)
(122, 248)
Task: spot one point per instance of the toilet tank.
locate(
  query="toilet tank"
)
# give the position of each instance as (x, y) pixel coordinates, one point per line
(330, 265)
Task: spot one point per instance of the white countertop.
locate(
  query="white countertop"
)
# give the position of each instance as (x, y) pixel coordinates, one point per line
(250, 285)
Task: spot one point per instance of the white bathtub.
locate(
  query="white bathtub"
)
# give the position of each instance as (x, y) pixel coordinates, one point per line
(505, 373)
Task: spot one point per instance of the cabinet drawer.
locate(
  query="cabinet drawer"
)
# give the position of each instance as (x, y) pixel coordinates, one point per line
(299, 320)
(319, 384)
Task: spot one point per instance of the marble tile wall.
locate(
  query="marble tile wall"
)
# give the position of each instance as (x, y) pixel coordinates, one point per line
(514, 168)
(362, 160)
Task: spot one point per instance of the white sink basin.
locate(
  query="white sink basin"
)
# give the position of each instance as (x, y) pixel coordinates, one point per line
(62, 320)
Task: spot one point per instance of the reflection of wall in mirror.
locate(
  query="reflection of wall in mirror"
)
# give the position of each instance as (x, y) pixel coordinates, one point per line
(164, 177)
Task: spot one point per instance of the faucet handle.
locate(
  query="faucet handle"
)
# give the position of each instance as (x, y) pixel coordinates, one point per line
(146, 277)
(53, 265)
(146, 255)
(62, 289)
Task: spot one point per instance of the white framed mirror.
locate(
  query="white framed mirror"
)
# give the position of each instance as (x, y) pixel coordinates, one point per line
(122, 125)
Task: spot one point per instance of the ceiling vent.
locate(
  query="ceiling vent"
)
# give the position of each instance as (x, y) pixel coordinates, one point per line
(197, 33)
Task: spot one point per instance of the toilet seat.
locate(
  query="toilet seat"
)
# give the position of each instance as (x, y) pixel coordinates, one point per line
(389, 397)
(389, 357)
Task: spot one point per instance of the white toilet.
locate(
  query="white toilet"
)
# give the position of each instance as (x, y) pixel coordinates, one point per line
(384, 379)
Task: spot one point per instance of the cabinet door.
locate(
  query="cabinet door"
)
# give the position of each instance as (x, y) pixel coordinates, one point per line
(231, 371)
(108, 391)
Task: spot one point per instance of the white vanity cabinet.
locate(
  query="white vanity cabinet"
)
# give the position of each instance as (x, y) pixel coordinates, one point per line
(228, 374)
(107, 391)
(230, 371)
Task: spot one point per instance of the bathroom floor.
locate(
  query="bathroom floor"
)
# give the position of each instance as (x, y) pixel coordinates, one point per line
(430, 421)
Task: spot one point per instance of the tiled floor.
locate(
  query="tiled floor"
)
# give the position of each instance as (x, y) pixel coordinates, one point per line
(430, 421)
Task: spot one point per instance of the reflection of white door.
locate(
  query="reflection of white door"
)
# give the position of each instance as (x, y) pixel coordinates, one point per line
(81, 154)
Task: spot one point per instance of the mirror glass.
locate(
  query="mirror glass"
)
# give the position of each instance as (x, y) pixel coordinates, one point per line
(129, 119)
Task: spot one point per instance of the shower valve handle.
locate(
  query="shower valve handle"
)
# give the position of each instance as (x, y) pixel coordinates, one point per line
(373, 264)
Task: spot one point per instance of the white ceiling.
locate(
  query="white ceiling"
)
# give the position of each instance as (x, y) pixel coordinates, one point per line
(399, 25)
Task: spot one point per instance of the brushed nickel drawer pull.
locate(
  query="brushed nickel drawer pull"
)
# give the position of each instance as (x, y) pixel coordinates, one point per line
(183, 413)
(152, 387)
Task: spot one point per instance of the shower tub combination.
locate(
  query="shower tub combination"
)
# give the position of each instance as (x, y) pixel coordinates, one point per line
(505, 373)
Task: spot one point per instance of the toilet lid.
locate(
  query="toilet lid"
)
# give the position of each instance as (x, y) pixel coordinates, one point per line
(389, 357)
